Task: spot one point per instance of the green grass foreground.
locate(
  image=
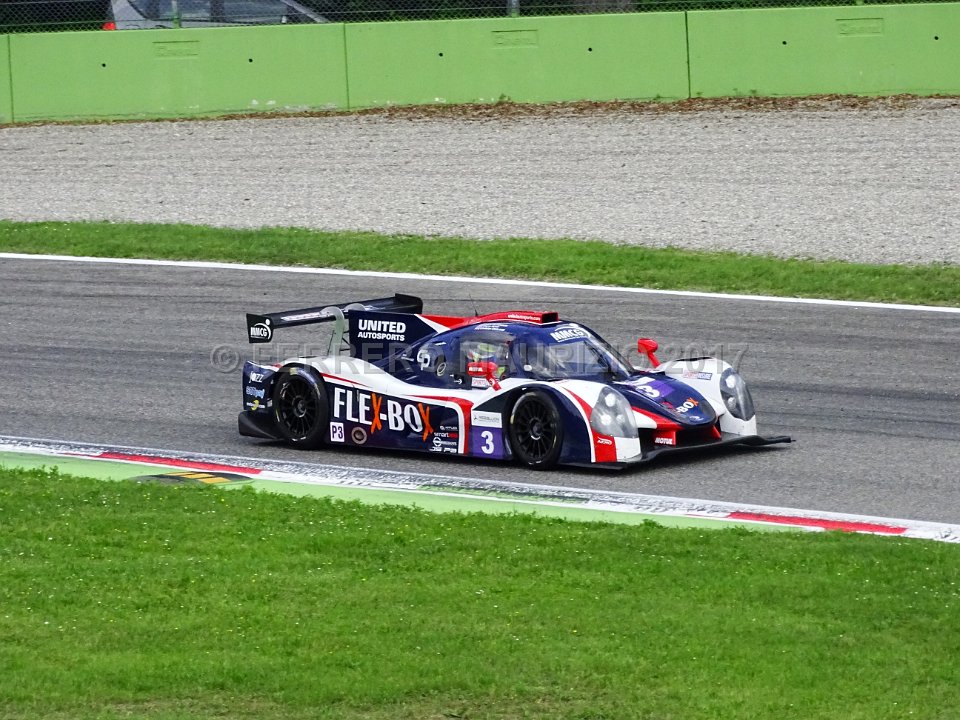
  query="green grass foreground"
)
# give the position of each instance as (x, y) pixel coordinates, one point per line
(120, 600)
(562, 260)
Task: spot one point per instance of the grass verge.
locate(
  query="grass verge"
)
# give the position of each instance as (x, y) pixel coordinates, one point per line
(160, 602)
(561, 260)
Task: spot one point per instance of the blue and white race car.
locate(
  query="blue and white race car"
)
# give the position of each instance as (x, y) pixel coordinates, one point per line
(517, 385)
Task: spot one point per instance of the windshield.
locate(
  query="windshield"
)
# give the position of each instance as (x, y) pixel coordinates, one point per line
(226, 11)
(581, 358)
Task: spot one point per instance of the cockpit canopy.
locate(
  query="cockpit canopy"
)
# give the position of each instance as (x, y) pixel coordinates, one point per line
(542, 352)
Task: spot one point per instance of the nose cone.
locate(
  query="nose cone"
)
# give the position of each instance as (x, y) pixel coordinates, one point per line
(668, 397)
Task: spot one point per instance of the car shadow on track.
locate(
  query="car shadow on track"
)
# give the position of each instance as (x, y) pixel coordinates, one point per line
(446, 464)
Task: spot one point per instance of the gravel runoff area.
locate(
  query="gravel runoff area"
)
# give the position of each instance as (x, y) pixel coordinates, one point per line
(873, 181)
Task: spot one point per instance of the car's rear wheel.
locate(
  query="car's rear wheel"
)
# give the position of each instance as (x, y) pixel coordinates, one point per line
(300, 407)
(536, 430)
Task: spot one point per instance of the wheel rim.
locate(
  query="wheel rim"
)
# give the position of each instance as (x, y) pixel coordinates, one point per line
(297, 406)
(535, 429)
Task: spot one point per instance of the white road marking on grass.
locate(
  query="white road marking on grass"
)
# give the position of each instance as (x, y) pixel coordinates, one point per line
(574, 498)
(206, 265)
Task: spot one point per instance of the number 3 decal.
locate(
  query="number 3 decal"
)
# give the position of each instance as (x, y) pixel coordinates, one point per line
(643, 387)
(487, 448)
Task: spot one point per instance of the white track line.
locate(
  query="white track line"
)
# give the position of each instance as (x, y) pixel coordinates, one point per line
(582, 498)
(203, 265)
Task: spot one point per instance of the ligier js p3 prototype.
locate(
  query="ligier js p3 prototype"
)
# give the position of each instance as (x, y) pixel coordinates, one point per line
(518, 385)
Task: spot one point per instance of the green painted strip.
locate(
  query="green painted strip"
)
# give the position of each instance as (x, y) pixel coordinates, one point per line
(427, 500)
(100, 469)
(6, 81)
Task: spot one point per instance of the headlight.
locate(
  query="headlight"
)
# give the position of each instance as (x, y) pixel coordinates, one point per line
(612, 415)
(736, 396)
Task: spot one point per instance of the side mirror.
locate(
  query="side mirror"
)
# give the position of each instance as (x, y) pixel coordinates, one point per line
(648, 347)
(484, 369)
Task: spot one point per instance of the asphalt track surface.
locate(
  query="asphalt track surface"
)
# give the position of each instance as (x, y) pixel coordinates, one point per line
(146, 356)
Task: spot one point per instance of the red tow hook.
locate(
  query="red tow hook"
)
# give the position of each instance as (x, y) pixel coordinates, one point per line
(648, 347)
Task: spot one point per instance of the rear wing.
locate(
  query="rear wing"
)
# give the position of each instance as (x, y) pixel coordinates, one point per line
(260, 328)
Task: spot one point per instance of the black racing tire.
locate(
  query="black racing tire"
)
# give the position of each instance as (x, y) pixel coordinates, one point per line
(300, 408)
(536, 430)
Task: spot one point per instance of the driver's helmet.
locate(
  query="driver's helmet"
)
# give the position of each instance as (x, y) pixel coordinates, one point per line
(497, 353)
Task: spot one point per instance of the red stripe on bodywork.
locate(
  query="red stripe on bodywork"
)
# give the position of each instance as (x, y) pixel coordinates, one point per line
(465, 405)
(447, 321)
(602, 452)
(531, 316)
(662, 422)
(465, 408)
(176, 462)
(328, 376)
(844, 525)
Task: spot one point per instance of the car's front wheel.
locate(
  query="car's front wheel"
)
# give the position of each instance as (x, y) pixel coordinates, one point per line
(300, 407)
(536, 430)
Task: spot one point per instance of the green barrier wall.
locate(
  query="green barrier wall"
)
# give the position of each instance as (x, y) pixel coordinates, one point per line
(166, 73)
(598, 57)
(863, 50)
(6, 106)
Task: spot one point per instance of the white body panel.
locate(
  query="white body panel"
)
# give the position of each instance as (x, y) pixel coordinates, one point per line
(703, 375)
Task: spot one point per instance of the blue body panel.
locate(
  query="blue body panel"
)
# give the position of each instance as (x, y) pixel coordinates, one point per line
(666, 396)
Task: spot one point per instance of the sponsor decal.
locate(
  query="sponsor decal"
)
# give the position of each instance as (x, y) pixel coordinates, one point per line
(358, 435)
(336, 432)
(476, 382)
(690, 375)
(261, 331)
(378, 412)
(368, 329)
(689, 404)
(569, 333)
(665, 437)
(255, 392)
(604, 441)
(257, 377)
(483, 418)
(440, 444)
(425, 414)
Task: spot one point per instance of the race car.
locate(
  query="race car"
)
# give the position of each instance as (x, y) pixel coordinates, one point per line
(517, 385)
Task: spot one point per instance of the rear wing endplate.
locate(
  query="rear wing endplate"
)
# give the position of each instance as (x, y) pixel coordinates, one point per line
(260, 328)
